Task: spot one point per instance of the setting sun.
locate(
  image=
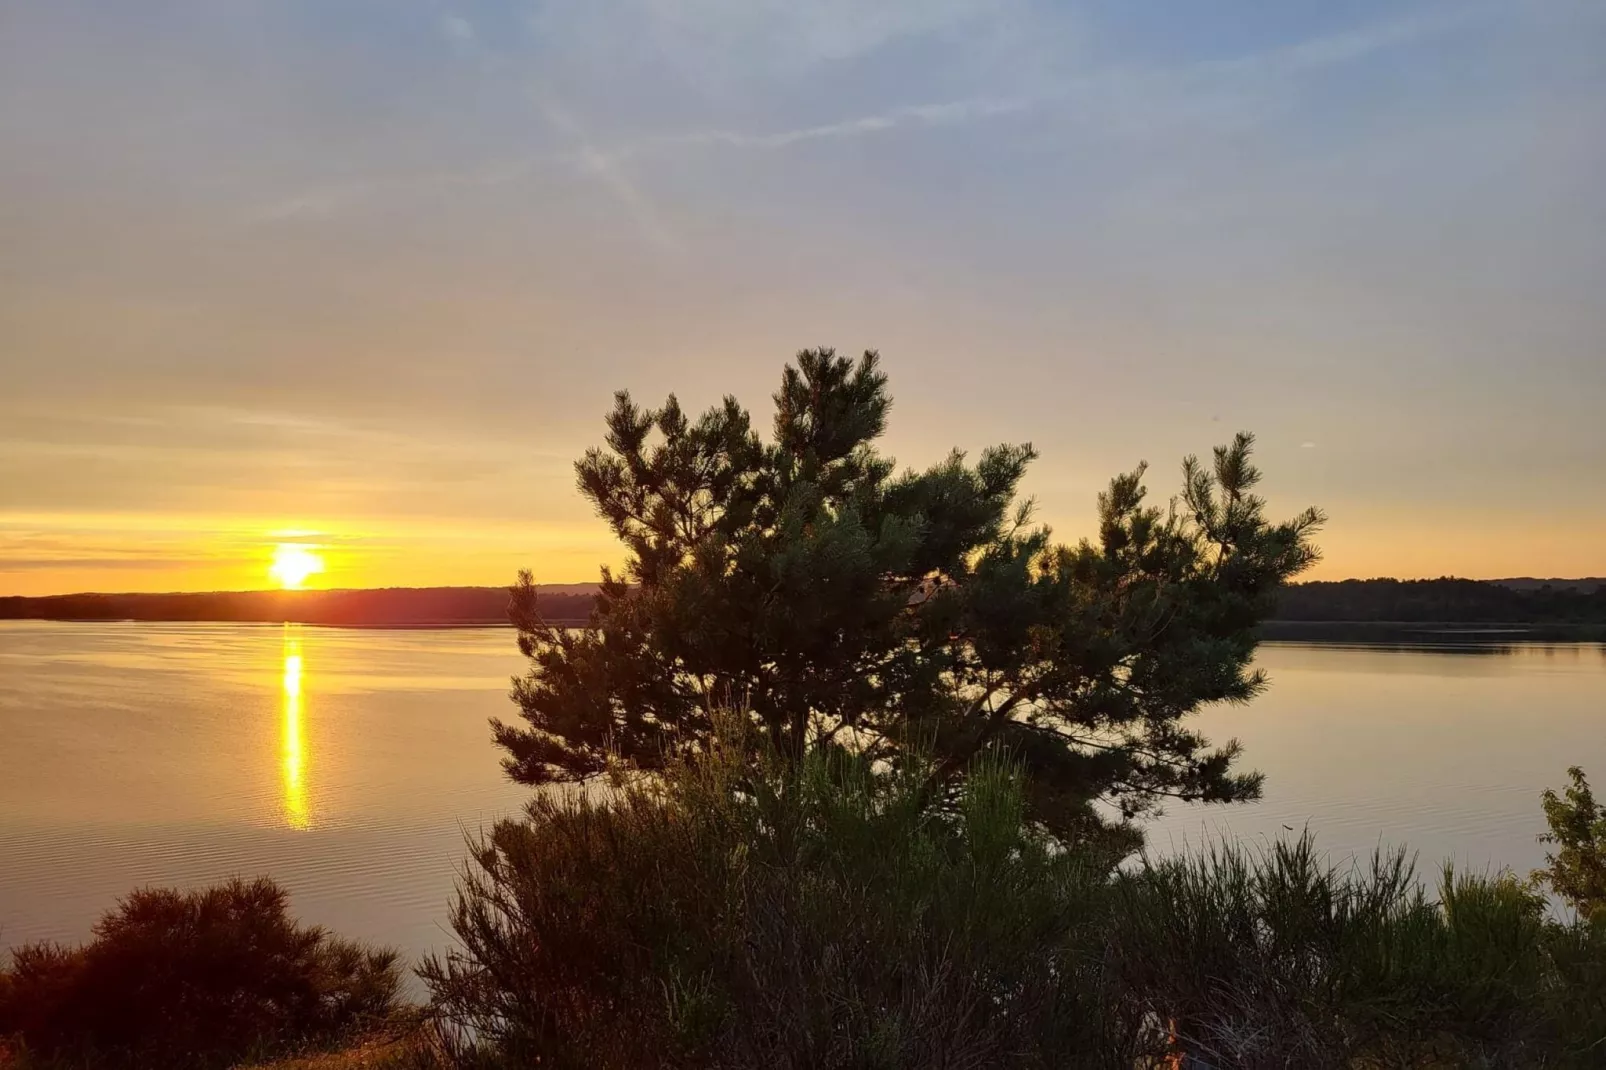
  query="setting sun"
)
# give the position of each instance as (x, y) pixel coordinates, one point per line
(292, 564)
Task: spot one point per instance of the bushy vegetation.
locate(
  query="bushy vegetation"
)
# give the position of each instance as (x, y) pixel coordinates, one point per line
(824, 915)
(829, 913)
(1577, 869)
(1275, 958)
(819, 914)
(192, 980)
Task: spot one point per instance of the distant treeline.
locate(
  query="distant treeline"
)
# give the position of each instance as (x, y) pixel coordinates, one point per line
(1448, 601)
(392, 607)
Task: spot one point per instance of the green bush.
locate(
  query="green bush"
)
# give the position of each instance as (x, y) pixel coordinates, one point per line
(797, 916)
(198, 979)
(832, 915)
(1276, 958)
(1577, 869)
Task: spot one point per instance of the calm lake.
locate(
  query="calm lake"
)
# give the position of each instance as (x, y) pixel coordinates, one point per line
(348, 764)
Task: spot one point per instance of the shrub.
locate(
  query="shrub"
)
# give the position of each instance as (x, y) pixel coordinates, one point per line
(196, 979)
(1276, 958)
(1576, 990)
(832, 914)
(1577, 871)
(802, 915)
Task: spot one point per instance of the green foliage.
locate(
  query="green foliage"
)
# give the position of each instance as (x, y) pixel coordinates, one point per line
(198, 979)
(1577, 871)
(800, 579)
(816, 914)
(1275, 958)
(1575, 989)
(824, 914)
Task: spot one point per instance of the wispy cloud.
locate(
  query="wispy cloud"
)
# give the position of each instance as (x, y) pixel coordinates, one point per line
(34, 564)
(608, 171)
(1247, 90)
(314, 203)
(456, 29)
(949, 113)
(327, 200)
(1331, 50)
(1233, 91)
(1122, 100)
(723, 43)
(607, 164)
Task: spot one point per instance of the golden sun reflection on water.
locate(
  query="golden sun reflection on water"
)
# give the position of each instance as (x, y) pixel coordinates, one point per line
(294, 744)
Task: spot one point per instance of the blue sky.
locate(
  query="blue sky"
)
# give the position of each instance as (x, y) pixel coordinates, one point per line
(371, 268)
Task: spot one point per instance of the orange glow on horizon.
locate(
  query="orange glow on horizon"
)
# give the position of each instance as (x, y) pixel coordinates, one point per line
(65, 553)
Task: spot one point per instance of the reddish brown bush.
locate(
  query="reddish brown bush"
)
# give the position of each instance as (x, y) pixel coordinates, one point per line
(194, 979)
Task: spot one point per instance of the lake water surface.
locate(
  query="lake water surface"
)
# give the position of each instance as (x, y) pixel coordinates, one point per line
(348, 764)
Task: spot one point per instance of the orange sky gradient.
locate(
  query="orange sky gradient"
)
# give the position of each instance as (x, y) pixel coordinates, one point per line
(370, 273)
(197, 554)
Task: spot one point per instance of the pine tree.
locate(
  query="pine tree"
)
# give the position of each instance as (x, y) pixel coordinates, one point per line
(837, 603)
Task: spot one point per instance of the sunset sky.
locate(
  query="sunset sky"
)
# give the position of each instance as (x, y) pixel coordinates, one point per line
(362, 274)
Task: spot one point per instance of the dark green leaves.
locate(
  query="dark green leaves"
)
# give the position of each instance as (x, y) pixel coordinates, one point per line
(802, 582)
(1577, 868)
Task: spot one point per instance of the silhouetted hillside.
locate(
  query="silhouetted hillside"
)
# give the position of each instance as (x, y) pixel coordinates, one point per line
(1528, 583)
(1446, 600)
(393, 607)
(1452, 601)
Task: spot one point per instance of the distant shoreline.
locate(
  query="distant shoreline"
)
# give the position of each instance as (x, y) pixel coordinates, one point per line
(1369, 633)
(393, 607)
(1428, 633)
(1418, 609)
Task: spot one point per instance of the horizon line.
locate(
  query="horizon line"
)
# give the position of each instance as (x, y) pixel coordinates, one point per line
(1601, 579)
